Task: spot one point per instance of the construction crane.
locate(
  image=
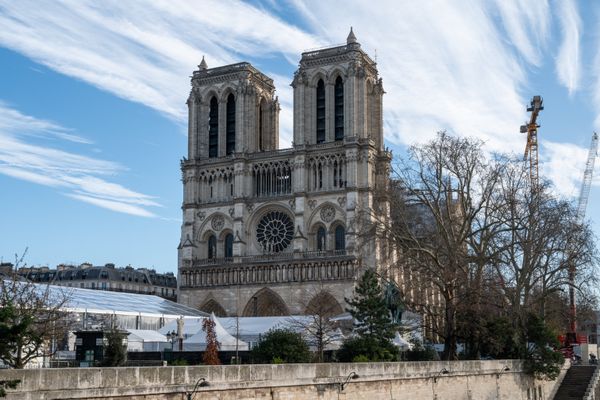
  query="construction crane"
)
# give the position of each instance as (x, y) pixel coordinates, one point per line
(531, 149)
(581, 206)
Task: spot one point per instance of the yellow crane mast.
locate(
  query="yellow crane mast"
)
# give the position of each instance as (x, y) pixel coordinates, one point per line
(531, 149)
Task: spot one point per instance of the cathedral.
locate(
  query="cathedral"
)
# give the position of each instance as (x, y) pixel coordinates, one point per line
(269, 231)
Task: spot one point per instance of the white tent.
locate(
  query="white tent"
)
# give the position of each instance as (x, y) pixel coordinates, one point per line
(146, 340)
(197, 342)
(402, 343)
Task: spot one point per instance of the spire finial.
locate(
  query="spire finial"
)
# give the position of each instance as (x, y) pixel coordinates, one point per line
(351, 38)
(203, 64)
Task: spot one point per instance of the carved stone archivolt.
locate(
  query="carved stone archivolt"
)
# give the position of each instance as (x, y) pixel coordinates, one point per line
(327, 213)
(217, 222)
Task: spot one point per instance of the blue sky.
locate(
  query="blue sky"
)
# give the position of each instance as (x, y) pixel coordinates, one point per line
(93, 115)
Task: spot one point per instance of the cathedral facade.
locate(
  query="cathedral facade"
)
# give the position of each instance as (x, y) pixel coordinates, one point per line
(270, 231)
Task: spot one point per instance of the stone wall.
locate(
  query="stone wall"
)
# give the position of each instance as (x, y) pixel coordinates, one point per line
(465, 380)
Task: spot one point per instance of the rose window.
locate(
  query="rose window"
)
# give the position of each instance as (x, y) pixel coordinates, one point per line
(275, 231)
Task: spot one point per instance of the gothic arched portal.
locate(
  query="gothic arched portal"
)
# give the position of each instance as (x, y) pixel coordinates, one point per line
(325, 305)
(213, 306)
(265, 303)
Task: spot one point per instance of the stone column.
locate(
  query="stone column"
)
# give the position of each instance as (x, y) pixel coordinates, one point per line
(201, 129)
(299, 118)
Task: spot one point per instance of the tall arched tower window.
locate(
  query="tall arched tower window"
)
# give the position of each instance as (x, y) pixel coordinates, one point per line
(261, 125)
(213, 128)
(339, 108)
(230, 130)
(320, 111)
(229, 245)
(321, 239)
(212, 247)
(340, 238)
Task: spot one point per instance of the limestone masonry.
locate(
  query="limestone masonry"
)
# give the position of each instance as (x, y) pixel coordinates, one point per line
(268, 231)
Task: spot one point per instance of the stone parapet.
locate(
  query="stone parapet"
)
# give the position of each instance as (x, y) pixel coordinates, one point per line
(497, 379)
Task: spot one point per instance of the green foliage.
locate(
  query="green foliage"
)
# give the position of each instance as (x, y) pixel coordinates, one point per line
(500, 339)
(281, 345)
(542, 360)
(10, 384)
(115, 353)
(529, 338)
(178, 362)
(360, 358)
(373, 324)
(370, 311)
(367, 348)
(277, 360)
(15, 331)
(420, 353)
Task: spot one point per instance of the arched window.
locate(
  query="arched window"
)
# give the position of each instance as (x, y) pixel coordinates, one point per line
(213, 128)
(230, 130)
(229, 245)
(340, 238)
(261, 125)
(321, 239)
(339, 108)
(212, 247)
(320, 111)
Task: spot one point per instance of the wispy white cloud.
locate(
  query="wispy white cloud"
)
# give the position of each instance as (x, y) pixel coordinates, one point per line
(459, 66)
(568, 60)
(145, 51)
(80, 176)
(563, 164)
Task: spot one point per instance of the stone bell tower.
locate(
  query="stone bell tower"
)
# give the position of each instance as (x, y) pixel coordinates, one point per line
(338, 94)
(232, 109)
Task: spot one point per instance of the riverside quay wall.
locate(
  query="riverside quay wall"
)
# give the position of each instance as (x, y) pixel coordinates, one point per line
(464, 380)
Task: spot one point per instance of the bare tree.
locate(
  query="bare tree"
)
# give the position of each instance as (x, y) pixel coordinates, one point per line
(31, 318)
(440, 227)
(540, 243)
(469, 227)
(316, 326)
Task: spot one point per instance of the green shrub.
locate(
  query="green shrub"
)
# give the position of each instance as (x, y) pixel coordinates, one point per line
(281, 346)
(368, 349)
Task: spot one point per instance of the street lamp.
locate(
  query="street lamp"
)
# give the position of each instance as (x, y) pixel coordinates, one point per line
(352, 375)
(202, 382)
(444, 371)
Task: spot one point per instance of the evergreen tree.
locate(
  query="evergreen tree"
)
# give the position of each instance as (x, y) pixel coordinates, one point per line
(211, 354)
(369, 309)
(115, 354)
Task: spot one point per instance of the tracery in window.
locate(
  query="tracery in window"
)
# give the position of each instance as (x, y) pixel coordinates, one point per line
(275, 231)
